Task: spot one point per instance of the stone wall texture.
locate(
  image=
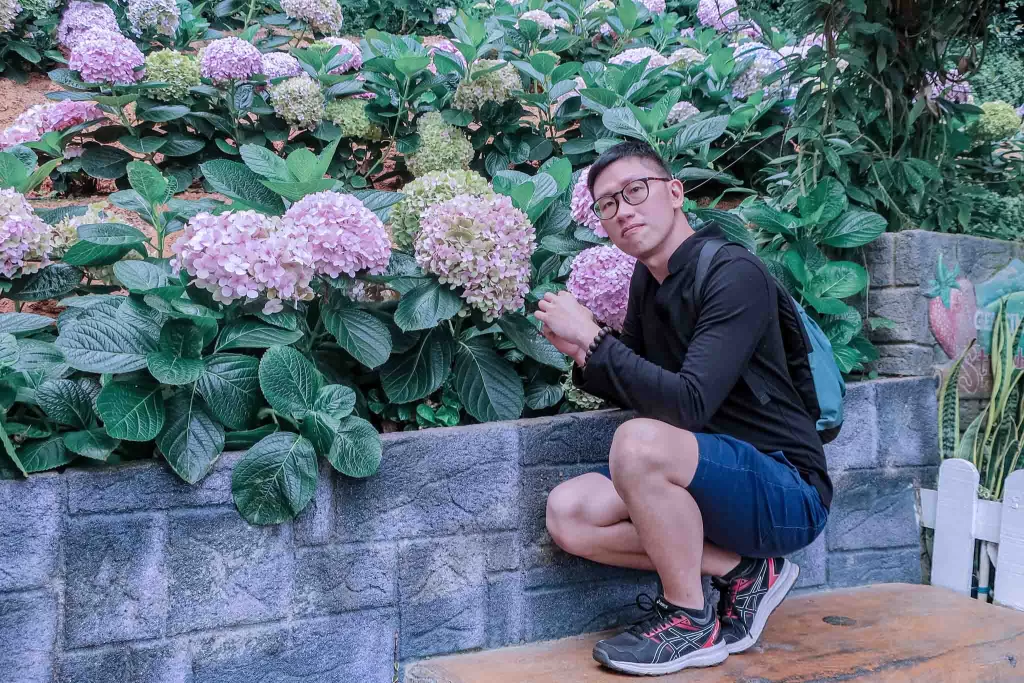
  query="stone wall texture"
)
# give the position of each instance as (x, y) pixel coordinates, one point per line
(129, 576)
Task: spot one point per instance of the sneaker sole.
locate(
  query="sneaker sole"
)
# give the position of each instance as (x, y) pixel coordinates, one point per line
(773, 599)
(711, 656)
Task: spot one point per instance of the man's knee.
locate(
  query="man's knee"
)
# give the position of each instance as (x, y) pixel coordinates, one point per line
(642, 448)
(564, 511)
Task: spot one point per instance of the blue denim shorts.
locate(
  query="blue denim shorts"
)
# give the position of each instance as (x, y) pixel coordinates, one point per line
(753, 503)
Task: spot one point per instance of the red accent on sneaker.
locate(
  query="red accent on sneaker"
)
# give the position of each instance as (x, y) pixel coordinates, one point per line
(740, 585)
(679, 621)
(714, 635)
(773, 573)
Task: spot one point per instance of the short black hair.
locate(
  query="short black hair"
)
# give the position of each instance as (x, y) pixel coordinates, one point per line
(631, 149)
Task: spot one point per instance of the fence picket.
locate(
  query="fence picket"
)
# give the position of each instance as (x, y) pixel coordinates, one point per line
(1009, 589)
(955, 511)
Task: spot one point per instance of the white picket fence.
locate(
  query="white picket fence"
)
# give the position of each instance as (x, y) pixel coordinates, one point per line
(961, 520)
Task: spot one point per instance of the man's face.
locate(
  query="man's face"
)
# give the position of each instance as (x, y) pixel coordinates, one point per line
(639, 229)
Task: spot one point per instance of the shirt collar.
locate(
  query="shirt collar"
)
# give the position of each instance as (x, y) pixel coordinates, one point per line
(687, 252)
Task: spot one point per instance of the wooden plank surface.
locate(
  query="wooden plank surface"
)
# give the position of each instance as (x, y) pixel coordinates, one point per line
(889, 633)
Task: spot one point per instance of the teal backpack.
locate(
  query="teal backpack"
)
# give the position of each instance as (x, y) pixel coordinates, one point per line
(809, 358)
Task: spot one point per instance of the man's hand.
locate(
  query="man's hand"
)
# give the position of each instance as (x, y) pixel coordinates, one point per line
(568, 320)
(568, 348)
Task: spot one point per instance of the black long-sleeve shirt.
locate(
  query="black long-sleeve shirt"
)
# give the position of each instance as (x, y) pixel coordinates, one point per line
(651, 369)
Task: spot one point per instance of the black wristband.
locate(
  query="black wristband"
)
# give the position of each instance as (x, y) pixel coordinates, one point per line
(602, 333)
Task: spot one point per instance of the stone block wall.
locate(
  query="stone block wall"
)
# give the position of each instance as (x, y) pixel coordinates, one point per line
(128, 575)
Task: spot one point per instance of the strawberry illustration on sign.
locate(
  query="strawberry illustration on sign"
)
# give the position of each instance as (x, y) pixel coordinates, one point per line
(951, 309)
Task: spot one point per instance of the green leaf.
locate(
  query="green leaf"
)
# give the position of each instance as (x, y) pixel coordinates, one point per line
(133, 412)
(244, 440)
(770, 220)
(841, 329)
(529, 340)
(83, 253)
(293, 192)
(541, 395)
(95, 343)
(52, 282)
(249, 334)
(267, 164)
(15, 323)
(302, 164)
(181, 145)
(488, 386)
(111, 234)
(320, 429)
(838, 280)
(231, 388)
(39, 456)
(289, 381)
(701, 133)
(108, 163)
(94, 444)
(164, 113)
(35, 354)
(276, 479)
(67, 402)
(178, 359)
(854, 229)
(191, 440)
(360, 333)
(825, 203)
(336, 400)
(622, 121)
(357, 450)
(140, 276)
(148, 182)
(12, 171)
(420, 372)
(9, 351)
(236, 181)
(826, 305)
(426, 306)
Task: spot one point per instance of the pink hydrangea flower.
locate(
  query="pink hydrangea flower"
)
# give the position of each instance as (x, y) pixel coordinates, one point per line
(344, 236)
(1020, 110)
(538, 16)
(582, 203)
(244, 254)
(481, 244)
(353, 62)
(950, 86)
(720, 15)
(681, 111)
(40, 119)
(24, 237)
(638, 54)
(278, 64)
(448, 47)
(654, 6)
(229, 59)
(80, 18)
(9, 11)
(323, 16)
(599, 280)
(101, 56)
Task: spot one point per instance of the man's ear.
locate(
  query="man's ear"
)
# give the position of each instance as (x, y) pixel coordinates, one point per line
(678, 192)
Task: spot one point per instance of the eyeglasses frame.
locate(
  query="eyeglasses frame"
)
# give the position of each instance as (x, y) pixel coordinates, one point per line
(646, 182)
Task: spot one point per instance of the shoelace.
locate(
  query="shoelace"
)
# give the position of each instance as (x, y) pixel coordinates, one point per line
(727, 599)
(654, 613)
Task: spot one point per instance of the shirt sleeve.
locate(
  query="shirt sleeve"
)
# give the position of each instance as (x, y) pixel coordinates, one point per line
(735, 311)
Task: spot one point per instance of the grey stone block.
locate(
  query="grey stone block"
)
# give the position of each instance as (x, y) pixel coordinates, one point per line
(314, 525)
(872, 509)
(349, 648)
(505, 606)
(864, 567)
(28, 631)
(502, 551)
(908, 422)
(582, 608)
(443, 593)
(29, 527)
(907, 307)
(343, 578)
(116, 587)
(904, 360)
(537, 483)
(147, 486)
(547, 565)
(879, 256)
(813, 563)
(224, 572)
(569, 439)
(158, 663)
(856, 447)
(435, 482)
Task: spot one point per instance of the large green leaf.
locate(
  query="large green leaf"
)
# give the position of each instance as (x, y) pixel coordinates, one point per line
(133, 412)
(320, 429)
(108, 163)
(236, 181)
(541, 395)
(140, 276)
(94, 444)
(360, 333)
(266, 163)
(248, 334)
(67, 402)
(420, 372)
(181, 145)
(427, 305)
(39, 456)
(488, 385)
(276, 479)
(246, 439)
(335, 400)
(529, 340)
(825, 203)
(838, 280)
(289, 381)
(357, 449)
(854, 229)
(191, 439)
(178, 359)
(622, 121)
(36, 354)
(52, 282)
(231, 388)
(148, 181)
(770, 220)
(20, 323)
(84, 253)
(701, 133)
(111, 234)
(9, 350)
(96, 343)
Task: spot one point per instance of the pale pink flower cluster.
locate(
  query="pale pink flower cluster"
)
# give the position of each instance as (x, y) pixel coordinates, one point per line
(1020, 111)
(163, 16)
(40, 119)
(720, 15)
(243, 254)
(279, 64)
(638, 54)
(654, 6)
(481, 244)
(323, 16)
(229, 59)
(951, 86)
(539, 17)
(448, 47)
(443, 15)
(9, 11)
(582, 203)
(759, 62)
(355, 55)
(681, 111)
(101, 56)
(80, 18)
(343, 235)
(599, 280)
(24, 237)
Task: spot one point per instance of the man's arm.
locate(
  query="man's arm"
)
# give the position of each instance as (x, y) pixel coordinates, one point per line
(735, 312)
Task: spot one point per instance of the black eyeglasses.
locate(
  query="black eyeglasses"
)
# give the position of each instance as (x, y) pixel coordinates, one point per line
(635, 192)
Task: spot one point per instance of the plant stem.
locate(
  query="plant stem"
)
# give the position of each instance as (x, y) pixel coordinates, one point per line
(248, 17)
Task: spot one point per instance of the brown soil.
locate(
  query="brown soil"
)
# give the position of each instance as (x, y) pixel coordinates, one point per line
(16, 98)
